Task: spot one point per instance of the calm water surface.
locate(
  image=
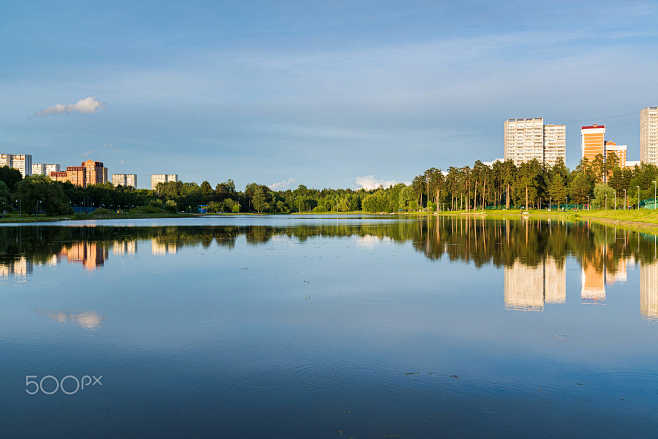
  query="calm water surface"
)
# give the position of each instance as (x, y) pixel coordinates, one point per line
(324, 327)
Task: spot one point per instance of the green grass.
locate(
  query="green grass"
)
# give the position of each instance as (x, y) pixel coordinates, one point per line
(644, 220)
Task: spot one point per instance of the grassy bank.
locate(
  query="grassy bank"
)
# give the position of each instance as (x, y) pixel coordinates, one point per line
(643, 220)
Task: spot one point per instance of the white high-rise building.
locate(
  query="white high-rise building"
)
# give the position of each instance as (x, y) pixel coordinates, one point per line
(124, 180)
(44, 168)
(162, 178)
(529, 139)
(649, 135)
(555, 144)
(21, 162)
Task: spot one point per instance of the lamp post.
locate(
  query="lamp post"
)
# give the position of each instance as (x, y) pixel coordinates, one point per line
(654, 195)
(625, 200)
(615, 199)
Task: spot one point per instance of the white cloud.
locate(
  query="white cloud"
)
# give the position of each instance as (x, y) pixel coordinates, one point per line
(369, 182)
(281, 185)
(86, 106)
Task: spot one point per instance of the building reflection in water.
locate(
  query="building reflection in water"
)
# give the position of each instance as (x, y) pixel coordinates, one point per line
(529, 288)
(159, 248)
(649, 290)
(90, 254)
(18, 269)
(121, 248)
(532, 254)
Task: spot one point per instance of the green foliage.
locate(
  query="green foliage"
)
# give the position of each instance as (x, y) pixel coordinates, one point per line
(171, 206)
(603, 195)
(10, 177)
(4, 196)
(38, 194)
(580, 188)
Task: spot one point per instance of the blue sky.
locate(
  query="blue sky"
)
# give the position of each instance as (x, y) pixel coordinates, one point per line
(325, 94)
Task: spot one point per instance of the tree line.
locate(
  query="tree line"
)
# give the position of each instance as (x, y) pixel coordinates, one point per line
(598, 183)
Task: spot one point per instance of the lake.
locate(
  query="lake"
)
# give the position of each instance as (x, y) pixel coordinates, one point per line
(327, 327)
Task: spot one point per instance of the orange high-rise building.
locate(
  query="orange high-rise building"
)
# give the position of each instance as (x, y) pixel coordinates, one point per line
(96, 172)
(592, 141)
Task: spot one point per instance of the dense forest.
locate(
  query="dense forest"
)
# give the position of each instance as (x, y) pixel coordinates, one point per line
(599, 184)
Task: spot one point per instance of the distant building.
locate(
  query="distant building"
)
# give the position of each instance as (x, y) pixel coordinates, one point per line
(620, 151)
(127, 180)
(162, 178)
(44, 168)
(96, 172)
(592, 141)
(649, 135)
(632, 163)
(21, 162)
(90, 172)
(555, 144)
(529, 139)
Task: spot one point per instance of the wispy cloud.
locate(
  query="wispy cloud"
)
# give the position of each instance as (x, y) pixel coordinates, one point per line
(281, 185)
(86, 106)
(369, 182)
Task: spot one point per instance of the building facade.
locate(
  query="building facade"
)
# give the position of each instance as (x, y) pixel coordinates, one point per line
(162, 178)
(44, 168)
(127, 180)
(649, 135)
(529, 139)
(592, 141)
(90, 172)
(21, 162)
(96, 172)
(555, 144)
(620, 151)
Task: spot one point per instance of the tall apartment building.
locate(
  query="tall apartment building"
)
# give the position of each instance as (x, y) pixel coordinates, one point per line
(528, 139)
(96, 172)
(592, 141)
(555, 144)
(620, 151)
(124, 180)
(21, 162)
(162, 178)
(44, 168)
(649, 135)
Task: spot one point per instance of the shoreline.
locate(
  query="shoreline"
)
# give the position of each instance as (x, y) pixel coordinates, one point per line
(644, 220)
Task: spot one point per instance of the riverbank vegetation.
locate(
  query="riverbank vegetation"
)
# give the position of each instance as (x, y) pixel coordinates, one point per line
(503, 185)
